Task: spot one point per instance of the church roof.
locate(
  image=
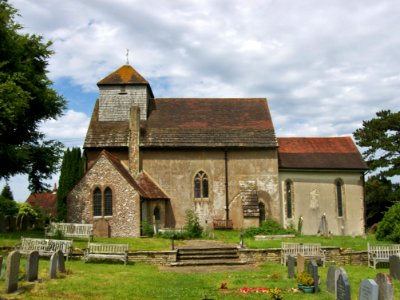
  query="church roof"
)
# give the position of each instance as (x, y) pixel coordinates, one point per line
(319, 153)
(192, 122)
(146, 187)
(124, 75)
(44, 201)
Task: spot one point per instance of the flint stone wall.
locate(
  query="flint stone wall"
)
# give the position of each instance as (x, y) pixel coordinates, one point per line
(125, 220)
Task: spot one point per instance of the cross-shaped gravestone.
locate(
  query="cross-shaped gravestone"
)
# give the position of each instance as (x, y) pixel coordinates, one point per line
(368, 290)
(32, 266)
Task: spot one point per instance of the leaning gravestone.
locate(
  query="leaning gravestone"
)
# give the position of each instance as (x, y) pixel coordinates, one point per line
(394, 266)
(368, 290)
(32, 266)
(343, 287)
(53, 265)
(313, 271)
(385, 286)
(290, 264)
(60, 262)
(300, 263)
(12, 271)
(330, 280)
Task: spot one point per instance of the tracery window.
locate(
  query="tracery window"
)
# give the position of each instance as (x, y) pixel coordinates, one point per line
(339, 197)
(201, 185)
(289, 199)
(102, 202)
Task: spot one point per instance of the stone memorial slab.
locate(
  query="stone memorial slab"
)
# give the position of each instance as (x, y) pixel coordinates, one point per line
(61, 261)
(385, 290)
(394, 266)
(368, 290)
(300, 263)
(331, 280)
(12, 271)
(53, 265)
(343, 287)
(32, 266)
(291, 260)
(312, 269)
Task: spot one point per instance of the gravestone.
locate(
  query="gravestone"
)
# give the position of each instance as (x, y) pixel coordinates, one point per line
(12, 271)
(61, 261)
(343, 287)
(23, 223)
(394, 266)
(385, 286)
(291, 260)
(368, 290)
(313, 271)
(53, 265)
(331, 280)
(32, 266)
(300, 263)
(323, 226)
(101, 228)
(18, 222)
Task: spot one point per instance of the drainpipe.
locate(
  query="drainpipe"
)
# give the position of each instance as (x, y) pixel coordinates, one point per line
(226, 189)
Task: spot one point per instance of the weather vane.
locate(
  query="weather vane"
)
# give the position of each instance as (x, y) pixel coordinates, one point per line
(127, 56)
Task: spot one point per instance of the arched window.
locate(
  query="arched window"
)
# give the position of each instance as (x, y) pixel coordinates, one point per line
(289, 199)
(108, 202)
(97, 202)
(339, 197)
(201, 185)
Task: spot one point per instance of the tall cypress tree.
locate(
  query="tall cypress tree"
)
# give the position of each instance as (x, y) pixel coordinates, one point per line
(71, 172)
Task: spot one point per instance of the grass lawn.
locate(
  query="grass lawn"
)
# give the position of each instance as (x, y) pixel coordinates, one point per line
(142, 281)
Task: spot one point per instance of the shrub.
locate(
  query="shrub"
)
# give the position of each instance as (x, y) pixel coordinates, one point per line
(389, 227)
(172, 234)
(305, 279)
(147, 228)
(192, 226)
(268, 227)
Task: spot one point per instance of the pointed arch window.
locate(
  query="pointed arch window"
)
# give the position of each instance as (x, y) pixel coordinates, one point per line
(339, 197)
(201, 185)
(102, 202)
(108, 202)
(289, 199)
(157, 214)
(97, 202)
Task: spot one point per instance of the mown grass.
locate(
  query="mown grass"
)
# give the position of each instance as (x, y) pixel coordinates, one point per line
(143, 281)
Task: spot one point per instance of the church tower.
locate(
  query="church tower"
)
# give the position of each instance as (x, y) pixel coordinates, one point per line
(119, 91)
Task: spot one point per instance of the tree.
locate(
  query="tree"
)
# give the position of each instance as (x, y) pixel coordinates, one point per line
(389, 228)
(72, 167)
(381, 139)
(26, 99)
(8, 207)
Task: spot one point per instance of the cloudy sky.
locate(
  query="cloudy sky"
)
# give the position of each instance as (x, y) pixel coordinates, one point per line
(324, 66)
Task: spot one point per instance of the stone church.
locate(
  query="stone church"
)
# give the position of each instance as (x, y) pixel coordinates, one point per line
(152, 159)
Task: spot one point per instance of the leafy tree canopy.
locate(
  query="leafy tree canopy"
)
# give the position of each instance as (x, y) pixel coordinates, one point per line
(380, 137)
(26, 99)
(7, 193)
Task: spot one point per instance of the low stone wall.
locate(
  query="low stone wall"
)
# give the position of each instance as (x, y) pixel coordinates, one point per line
(153, 257)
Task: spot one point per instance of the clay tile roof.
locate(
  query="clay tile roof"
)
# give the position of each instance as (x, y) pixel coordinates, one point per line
(319, 153)
(149, 187)
(124, 75)
(146, 187)
(208, 122)
(44, 201)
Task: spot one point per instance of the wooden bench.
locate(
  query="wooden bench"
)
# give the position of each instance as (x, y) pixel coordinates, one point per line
(107, 251)
(70, 230)
(222, 224)
(45, 247)
(307, 250)
(381, 252)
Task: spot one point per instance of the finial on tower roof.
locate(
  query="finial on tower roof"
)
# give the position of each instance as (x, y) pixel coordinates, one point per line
(127, 56)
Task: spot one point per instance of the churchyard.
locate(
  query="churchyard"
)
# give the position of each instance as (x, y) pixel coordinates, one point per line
(136, 280)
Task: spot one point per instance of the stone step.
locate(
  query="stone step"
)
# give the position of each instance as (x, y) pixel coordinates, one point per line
(210, 257)
(207, 252)
(207, 263)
